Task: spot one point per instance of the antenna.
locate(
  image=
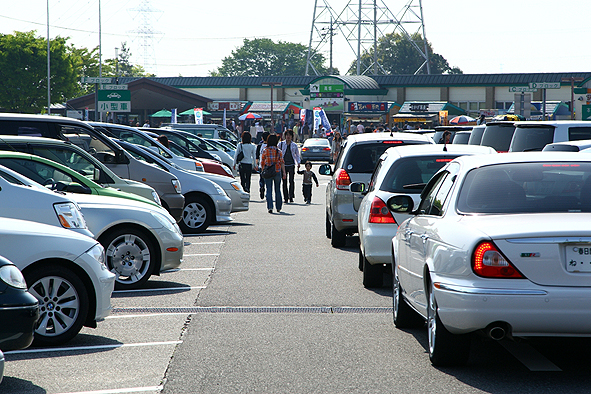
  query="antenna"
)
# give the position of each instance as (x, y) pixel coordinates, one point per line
(361, 24)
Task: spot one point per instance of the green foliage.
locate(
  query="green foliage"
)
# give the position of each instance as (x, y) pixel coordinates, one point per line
(23, 72)
(398, 56)
(263, 57)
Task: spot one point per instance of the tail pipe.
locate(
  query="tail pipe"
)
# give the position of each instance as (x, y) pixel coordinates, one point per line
(498, 330)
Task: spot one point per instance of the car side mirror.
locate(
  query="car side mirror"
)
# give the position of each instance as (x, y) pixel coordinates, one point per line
(400, 204)
(325, 170)
(97, 174)
(358, 187)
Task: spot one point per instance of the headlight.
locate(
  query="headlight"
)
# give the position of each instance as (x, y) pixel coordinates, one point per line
(98, 253)
(228, 170)
(69, 215)
(156, 197)
(12, 276)
(219, 189)
(164, 220)
(177, 185)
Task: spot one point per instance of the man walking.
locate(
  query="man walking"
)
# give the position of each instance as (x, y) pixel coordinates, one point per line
(291, 157)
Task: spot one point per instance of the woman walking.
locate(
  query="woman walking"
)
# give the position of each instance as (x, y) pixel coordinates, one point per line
(337, 143)
(272, 156)
(247, 161)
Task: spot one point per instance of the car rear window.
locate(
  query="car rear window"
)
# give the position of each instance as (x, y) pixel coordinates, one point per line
(531, 138)
(406, 172)
(476, 135)
(316, 143)
(539, 187)
(362, 158)
(498, 136)
(461, 138)
(579, 133)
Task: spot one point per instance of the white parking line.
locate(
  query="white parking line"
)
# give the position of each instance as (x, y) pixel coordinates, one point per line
(147, 315)
(158, 289)
(95, 347)
(200, 254)
(207, 243)
(117, 391)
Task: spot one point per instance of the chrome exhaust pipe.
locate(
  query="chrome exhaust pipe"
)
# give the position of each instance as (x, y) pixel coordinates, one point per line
(497, 333)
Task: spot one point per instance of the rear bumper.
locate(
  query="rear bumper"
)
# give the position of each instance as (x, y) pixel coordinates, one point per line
(530, 310)
(376, 241)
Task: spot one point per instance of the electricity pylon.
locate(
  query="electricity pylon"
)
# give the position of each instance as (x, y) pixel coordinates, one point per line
(362, 23)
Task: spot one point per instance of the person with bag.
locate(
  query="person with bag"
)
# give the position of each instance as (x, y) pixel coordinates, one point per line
(291, 158)
(244, 156)
(272, 161)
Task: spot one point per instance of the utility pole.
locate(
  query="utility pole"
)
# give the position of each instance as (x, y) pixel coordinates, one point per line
(272, 85)
(48, 66)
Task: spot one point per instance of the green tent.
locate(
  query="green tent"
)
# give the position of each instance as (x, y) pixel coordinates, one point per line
(163, 113)
(190, 111)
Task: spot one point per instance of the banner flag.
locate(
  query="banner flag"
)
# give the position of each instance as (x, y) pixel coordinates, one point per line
(198, 115)
(173, 116)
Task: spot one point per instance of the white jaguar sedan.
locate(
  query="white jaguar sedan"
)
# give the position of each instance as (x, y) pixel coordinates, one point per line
(499, 244)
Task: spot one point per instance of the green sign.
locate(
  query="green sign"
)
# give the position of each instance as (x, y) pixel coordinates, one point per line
(331, 88)
(586, 112)
(114, 100)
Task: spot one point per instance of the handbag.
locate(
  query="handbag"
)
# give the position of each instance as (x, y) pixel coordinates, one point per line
(240, 155)
(269, 171)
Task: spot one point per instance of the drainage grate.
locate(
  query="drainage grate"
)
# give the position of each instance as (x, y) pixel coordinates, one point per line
(255, 309)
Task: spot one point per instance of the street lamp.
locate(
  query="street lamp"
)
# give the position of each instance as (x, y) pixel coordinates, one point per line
(272, 85)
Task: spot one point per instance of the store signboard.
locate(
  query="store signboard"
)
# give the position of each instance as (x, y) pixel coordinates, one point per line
(331, 98)
(367, 106)
(114, 100)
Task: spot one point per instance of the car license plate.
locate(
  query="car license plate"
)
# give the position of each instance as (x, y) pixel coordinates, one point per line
(578, 258)
(315, 150)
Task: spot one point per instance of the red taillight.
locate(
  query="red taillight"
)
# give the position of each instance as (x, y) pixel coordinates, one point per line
(379, 212)
(343, 180)
(326, 149)
(392, 142)
(488, 262)
(304, 149)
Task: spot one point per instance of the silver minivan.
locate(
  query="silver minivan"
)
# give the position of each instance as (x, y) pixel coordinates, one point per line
(534, 136)
(100, 147)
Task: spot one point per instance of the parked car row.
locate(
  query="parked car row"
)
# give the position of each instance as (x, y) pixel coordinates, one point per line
(479, 242)
(89, 208)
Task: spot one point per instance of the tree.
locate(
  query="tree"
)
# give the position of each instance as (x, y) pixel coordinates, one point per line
(397, 55)
(263, 57)
(23, 72)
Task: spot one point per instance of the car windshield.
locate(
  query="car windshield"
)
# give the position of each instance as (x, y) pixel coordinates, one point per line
(411, 173)
(539, 187)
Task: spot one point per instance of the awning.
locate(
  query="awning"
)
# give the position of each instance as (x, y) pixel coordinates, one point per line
(279, 107)
(413, 118)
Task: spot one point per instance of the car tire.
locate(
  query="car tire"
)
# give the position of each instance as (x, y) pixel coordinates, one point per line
(327, 226)
(404, 316)
(338, 239)
(445, 349)
(131, 255)
(63, 303)
(373, 274)
(197, 215)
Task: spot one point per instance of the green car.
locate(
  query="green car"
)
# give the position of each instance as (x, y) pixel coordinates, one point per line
(59, 177)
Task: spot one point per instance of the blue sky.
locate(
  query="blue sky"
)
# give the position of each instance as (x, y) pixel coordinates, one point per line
(189, 38)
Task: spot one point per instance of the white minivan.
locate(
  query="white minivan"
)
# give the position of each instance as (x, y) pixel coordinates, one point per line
(534, 136)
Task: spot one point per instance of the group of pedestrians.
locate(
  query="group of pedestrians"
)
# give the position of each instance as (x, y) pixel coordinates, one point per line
(276, 162)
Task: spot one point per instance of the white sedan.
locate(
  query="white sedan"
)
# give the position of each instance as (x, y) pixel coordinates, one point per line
(400, 170)
(499, 244)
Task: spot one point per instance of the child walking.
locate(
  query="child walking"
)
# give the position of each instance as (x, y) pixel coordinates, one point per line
(307, 183)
